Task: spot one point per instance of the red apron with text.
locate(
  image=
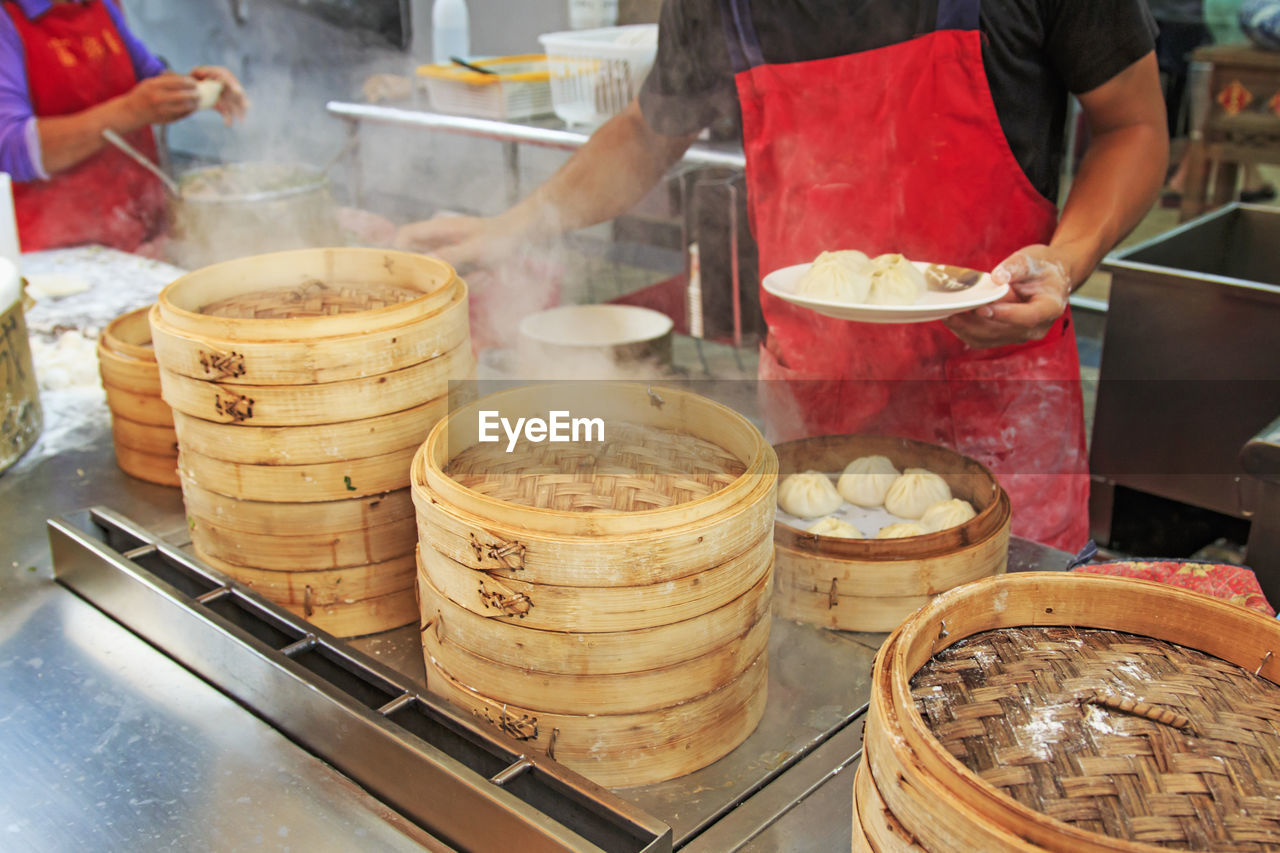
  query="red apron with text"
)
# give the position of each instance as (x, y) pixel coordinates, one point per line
(899, 149)
(75, 60)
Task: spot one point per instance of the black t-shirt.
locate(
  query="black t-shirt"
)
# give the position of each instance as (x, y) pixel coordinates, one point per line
(1034, 53)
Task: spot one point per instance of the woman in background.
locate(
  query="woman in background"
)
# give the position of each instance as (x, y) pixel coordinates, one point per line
(70, 69)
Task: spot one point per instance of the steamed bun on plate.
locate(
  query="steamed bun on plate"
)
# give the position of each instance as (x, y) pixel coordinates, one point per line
(946, 514)
(832, 526)
(866, 480)
(901, 530)
(914, 492)
(842, 276)
(808, 495)
(895, 281)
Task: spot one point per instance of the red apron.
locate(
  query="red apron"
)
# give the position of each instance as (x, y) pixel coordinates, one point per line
(899, 149)
(76, 60)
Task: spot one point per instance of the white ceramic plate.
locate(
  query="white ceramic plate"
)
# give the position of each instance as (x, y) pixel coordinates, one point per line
(933, 305)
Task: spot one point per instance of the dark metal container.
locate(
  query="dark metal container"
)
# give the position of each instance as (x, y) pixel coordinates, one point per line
(1191, 370)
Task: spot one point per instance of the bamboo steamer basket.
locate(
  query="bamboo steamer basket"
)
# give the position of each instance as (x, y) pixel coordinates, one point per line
(873, 584)
(266, 317)
(324, 403)
(313, 360)
(626, 750)
(1139, 775)
(300, 445)
(141, 423)
(349, 602)
(303, 552)
(145, 438)
(668, 683)
(603, 548)
(606, 604)
(151, 467)
(287, 519)
(598, 609)
(319, 482)
(302, 591)
(302, 384)
(598, 653)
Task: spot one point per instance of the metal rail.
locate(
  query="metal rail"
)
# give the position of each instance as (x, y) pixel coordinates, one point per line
(470, 787)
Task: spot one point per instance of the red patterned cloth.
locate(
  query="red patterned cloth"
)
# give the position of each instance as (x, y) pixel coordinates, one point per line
(1230, 583)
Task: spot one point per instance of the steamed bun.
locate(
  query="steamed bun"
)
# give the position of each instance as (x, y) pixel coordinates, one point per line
(895, 281)
(901, 530)
(866, 480)
(808, 495)
(914, 492)
(832, 526)
(842, 276)
(950, 513)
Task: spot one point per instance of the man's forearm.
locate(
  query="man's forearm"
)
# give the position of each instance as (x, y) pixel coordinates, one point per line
(1118, 180)
(613, 171)
(67, 140)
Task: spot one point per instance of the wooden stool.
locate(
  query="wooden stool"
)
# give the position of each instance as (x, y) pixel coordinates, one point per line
(1241, 125)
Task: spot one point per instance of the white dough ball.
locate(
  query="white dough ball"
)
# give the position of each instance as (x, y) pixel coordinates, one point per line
(895, 281)
(946, 514)
(832, 526)
(808, 495)
(839, 276)
(866, 480)
(901, 530)
(914, 492)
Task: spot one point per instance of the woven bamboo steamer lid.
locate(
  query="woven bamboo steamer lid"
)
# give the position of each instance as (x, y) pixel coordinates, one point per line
(635, 403)
(329, 402)
(1241, 637)
(873, 584)
(181, 304)
(125, 357)
(298, 445)
(425, 336)
(137, 406)
(146, 438)
(323, 587)
(322, 481)
(308, 549)
(619, 693)
(263, 517)
(596, 609)
(506, 551)
(340, 617)
(596, 653)
(154, 468)
(623, 750)
(952, 826)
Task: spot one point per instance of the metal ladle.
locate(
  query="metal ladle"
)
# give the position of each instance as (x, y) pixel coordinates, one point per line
(142, 160)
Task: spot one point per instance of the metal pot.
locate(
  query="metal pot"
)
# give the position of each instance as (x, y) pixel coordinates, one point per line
(595, 342)
(240, 209)
(20, 415)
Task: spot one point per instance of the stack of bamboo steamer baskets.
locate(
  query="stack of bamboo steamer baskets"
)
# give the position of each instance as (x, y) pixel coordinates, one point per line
(606, 603)
(141, 422)
(1076, 713)
(302, 383)
(873, 584)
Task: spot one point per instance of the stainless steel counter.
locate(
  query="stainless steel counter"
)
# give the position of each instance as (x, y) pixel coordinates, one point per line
(118, 747)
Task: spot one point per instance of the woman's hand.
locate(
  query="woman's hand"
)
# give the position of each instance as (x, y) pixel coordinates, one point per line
(233, 103)
(1039, 280)
(162, 99)
(466, 242)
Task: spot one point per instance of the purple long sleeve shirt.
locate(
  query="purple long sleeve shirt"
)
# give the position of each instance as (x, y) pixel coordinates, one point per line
(20, 154)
